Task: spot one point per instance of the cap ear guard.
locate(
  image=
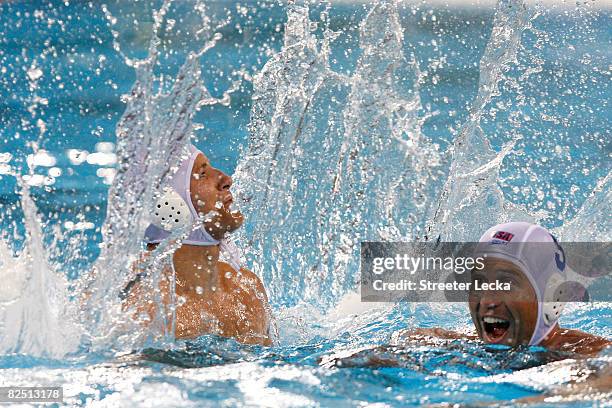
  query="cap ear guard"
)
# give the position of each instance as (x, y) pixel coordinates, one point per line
(171, 212)
(554, 300)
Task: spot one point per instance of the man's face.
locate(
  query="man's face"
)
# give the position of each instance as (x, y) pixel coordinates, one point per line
(211, 197)
(503, 317)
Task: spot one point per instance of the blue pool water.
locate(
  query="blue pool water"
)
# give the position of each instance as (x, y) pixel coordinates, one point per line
(62, 83)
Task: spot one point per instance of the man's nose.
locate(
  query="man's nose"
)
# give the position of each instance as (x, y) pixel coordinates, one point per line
(225, 181)
(489, 302)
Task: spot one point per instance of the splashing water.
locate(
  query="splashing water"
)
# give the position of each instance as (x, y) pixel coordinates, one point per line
(471, 191)
(36, 314)
(591, 222)
(150, 147)
(332, 160)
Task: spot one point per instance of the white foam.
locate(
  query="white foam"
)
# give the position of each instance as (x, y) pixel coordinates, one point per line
(351, 305)
(12, 275)
(77, 156)
(5, 157)
(105, 147)
(36, 316)
(41, 158)
(108, 174)
(102, 159)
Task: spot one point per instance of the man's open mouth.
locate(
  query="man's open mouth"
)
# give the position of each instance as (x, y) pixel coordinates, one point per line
(495, 329)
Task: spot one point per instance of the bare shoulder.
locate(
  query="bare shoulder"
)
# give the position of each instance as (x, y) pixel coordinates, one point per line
(243, 277)
(247, 274)
(250, 292)
(581, 342)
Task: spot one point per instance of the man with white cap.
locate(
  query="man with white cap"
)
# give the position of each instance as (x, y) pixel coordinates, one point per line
(212, 296)
(529, 258)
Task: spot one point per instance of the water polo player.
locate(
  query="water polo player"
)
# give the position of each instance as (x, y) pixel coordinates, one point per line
(212, 296)
(529, 258)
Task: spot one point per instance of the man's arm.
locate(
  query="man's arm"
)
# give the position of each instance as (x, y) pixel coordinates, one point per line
(576, 341)
(394, 354)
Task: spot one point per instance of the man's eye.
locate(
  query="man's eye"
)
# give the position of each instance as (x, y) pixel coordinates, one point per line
(480, 278)
(512, 281)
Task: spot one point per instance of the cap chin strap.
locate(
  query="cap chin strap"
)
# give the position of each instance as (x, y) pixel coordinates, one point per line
(553, 299)
(550, 308)
(171, 213)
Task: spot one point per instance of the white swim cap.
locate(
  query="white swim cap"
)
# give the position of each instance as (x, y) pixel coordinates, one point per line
(544, 265)
(174, 210)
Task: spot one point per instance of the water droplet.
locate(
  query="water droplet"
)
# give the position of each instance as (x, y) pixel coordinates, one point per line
(34, 73)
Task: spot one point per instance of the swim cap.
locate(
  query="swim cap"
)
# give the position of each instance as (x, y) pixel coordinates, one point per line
(544, 266)
(175, 210)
